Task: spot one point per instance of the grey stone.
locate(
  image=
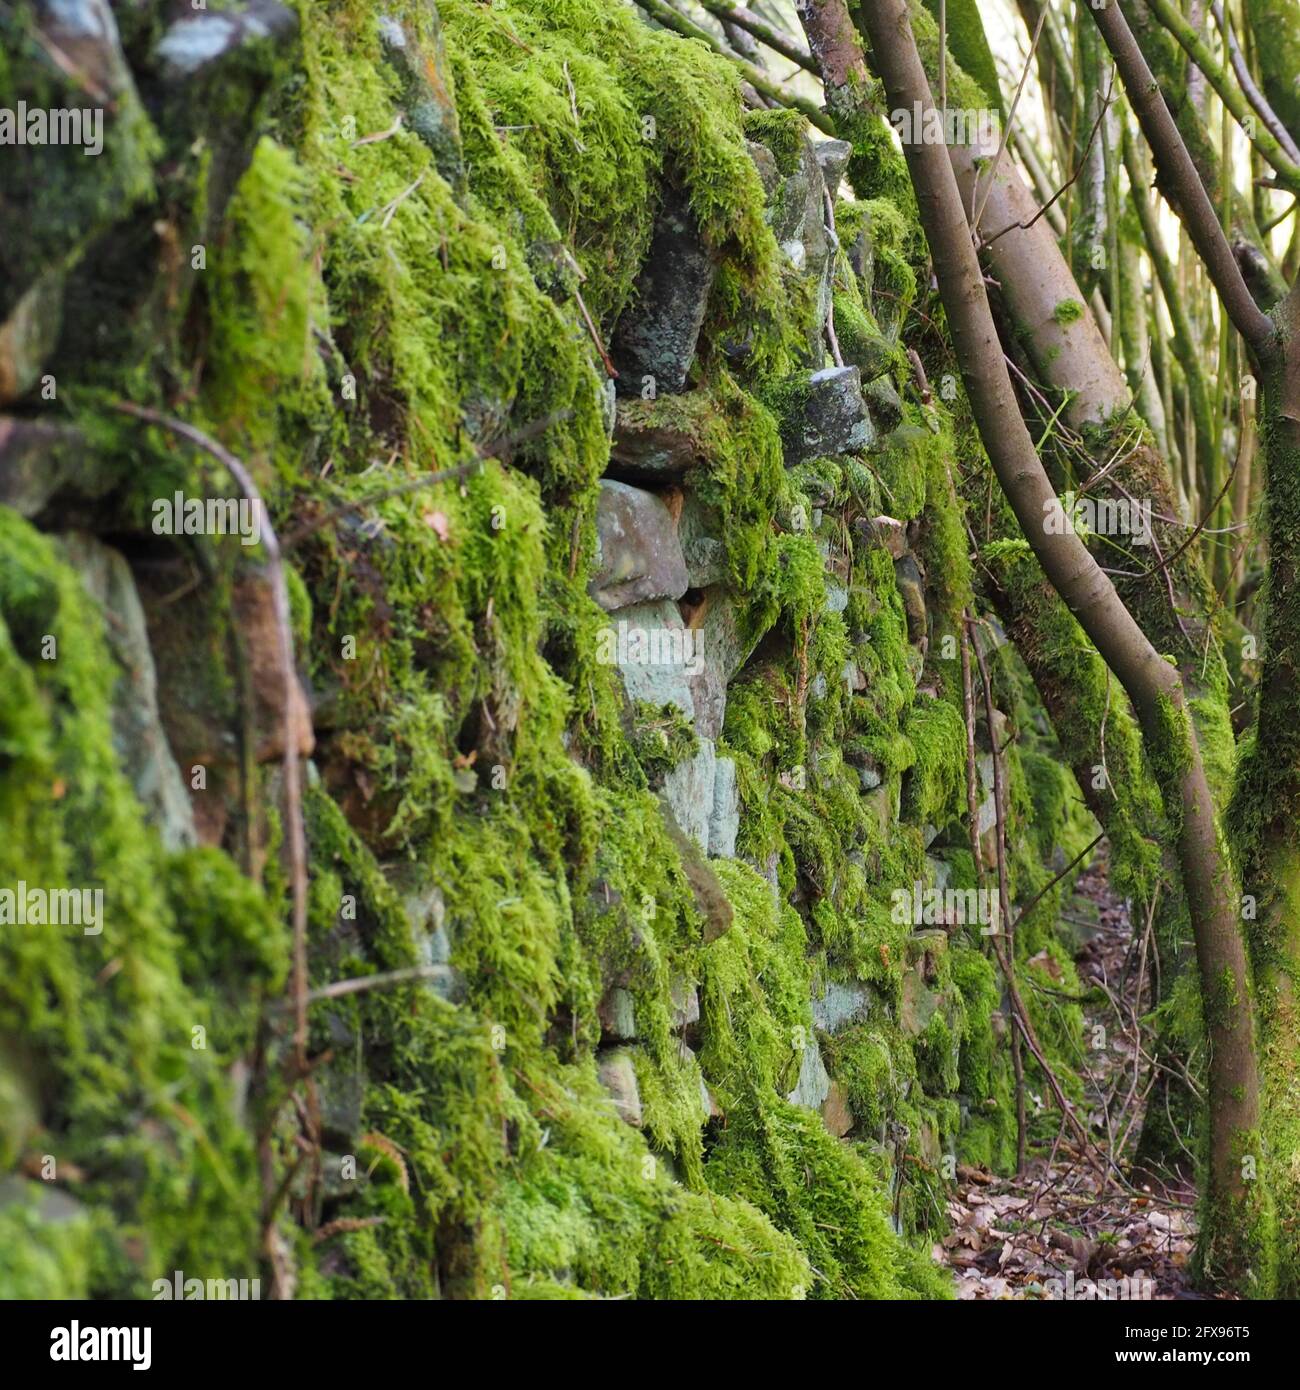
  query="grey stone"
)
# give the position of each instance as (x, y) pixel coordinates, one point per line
(617, 1072)
(215, 68)
(867, 767)
(426, 915)
(686, 1003)
(883, 804)
(834, 418)
(987, 815)
(765, 162)
(841, 1005)
(938, 871)
(50, 1204)
(20, 1108)
(423, 69)
(639, 554)
(617, 1014)
(40, 461)
(28, 335)
(688, 790)
(797, 214)
(632, 637)
(138, 736)
(657, 334)
(58, 198)
(708, 1106)
(724, 819)
(609, 408)
(814, 1084)
(911, 589)
(722, 642)
(882, 398)
(874, 356)
(722, 649)
(832, 158)
(705, 552)
(918, 1005)
(837, 597)
(206, 36)
(883, 531)
(341, 1090)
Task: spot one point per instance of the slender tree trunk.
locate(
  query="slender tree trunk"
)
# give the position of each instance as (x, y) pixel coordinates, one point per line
(1171, 70)
(1153, 685)
(1264, 810)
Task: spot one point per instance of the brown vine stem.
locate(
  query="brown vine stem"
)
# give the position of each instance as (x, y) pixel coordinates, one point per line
(296, 828)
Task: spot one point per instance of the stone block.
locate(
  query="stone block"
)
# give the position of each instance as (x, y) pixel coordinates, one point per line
(640, 556)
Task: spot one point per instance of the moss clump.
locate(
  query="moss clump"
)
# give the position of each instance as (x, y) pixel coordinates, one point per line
(783, 132)
(661, 739)
(1068, 311)
(936, 785)
(115, 1017)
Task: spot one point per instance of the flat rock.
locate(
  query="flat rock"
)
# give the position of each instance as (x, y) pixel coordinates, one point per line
(640, 556)
(138, 736)
(834, 418)
(688, 790)
(617, 1072)
(657, 334)
(724, 819)
(657, 440)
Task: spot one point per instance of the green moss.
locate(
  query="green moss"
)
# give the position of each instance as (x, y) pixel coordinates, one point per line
(783, 132)
(1068, 311)
(934, 791)
(112, 1017)
(661, 739)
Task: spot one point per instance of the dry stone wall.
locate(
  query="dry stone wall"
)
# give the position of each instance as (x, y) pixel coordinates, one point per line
(619, 748)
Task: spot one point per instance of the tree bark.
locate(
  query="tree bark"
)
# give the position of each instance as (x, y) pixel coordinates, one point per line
(1152, 684)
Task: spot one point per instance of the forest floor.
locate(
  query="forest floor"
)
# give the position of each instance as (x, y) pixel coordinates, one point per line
(1059, 1228)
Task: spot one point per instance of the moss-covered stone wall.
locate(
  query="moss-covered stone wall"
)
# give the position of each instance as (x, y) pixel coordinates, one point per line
(626, 750)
